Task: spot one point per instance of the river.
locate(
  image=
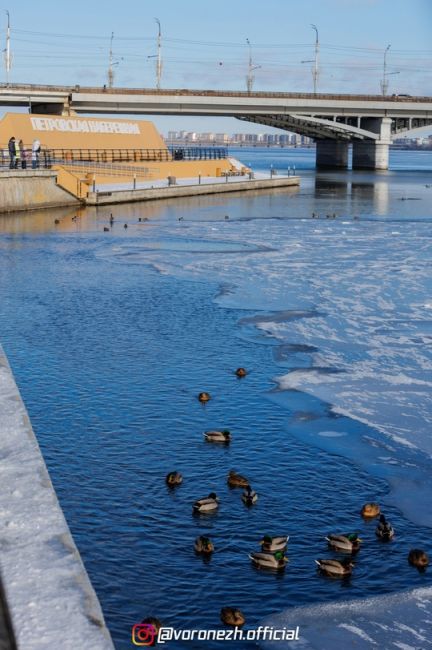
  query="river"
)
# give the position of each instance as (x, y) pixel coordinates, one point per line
(323, 293)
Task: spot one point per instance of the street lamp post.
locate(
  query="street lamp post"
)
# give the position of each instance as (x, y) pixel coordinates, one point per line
(251, 67)
(110, 66)
(158, 59)
(315, 61)
(315, 72)
(7, 50)
(384, 82)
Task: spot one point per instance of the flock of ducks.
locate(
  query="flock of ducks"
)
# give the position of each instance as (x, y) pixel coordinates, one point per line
(272, 554)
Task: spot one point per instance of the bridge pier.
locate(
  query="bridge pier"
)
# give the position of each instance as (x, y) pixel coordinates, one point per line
(332, 154)
(373, 154)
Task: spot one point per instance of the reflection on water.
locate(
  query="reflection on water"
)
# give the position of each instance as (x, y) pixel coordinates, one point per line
(111, 354)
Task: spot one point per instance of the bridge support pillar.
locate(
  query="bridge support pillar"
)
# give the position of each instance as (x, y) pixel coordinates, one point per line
(373, 154)
(332, 154)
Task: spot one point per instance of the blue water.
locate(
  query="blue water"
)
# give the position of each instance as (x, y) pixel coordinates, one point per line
(111, 337)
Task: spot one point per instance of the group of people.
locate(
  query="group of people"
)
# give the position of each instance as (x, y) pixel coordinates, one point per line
(19, 155)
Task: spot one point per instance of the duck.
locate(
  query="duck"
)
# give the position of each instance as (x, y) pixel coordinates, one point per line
(249, 496)
(204, 397)
(232, 616)
(207, 504)
(384, 530)
(272, 544)
(237, 480)
(264, 560)
(337, 568)
(203, 545)
(152, 620)
(370, 510)
(218, 436)
(418, 558)
(350, 542)
(173, 478)
(241, 372)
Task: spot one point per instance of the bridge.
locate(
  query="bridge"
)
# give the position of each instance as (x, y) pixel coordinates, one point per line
(368, 122)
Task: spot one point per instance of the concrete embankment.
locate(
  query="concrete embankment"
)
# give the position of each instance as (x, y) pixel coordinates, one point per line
(31, 189)
(190, 189)
(48, 595)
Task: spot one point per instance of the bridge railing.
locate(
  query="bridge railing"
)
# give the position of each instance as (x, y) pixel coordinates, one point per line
(67, 90)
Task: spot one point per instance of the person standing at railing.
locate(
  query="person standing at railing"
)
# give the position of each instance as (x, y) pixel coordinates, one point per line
(12, 154)
(36, 147)
(23, 155)
(17, 154)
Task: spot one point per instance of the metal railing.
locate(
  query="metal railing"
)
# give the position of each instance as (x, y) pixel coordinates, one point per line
(49, 157)
(68, 90)
(24, 161)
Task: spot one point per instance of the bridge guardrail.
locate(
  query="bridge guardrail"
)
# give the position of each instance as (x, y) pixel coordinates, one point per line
(67, 90)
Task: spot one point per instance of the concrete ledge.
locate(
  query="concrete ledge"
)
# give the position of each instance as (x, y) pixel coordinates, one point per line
(30, 189)
(175, 191)
(48, 594)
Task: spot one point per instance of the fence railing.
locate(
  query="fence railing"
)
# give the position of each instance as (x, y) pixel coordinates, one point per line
(25, 159)
(49, 157)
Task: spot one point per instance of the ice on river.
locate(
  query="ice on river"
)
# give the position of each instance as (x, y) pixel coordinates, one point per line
(401, 621)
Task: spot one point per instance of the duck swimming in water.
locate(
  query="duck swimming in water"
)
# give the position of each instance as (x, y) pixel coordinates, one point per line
(207, 504)
(337, 568)
(218, 436)
(232, 616)
(272, 544)
(156, 624)
(173, 478)
(237, 480)
(370, 510)
(384, 530)
(203, 545)
(418, 558)
(249, 496)
(349, 543)
(204, 397)
(269, 560)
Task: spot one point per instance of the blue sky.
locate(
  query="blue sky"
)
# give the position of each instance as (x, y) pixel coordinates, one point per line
(204, 46)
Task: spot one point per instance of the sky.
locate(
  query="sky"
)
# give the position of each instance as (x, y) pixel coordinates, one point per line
(204, 45)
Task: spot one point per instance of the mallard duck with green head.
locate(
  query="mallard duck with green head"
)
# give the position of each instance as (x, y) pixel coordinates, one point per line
(269, 560)
(349, 543)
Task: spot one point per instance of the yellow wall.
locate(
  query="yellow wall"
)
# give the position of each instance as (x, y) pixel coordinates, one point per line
(80, 132)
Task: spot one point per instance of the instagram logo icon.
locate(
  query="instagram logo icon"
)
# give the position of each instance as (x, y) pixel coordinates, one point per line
(144, 634)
